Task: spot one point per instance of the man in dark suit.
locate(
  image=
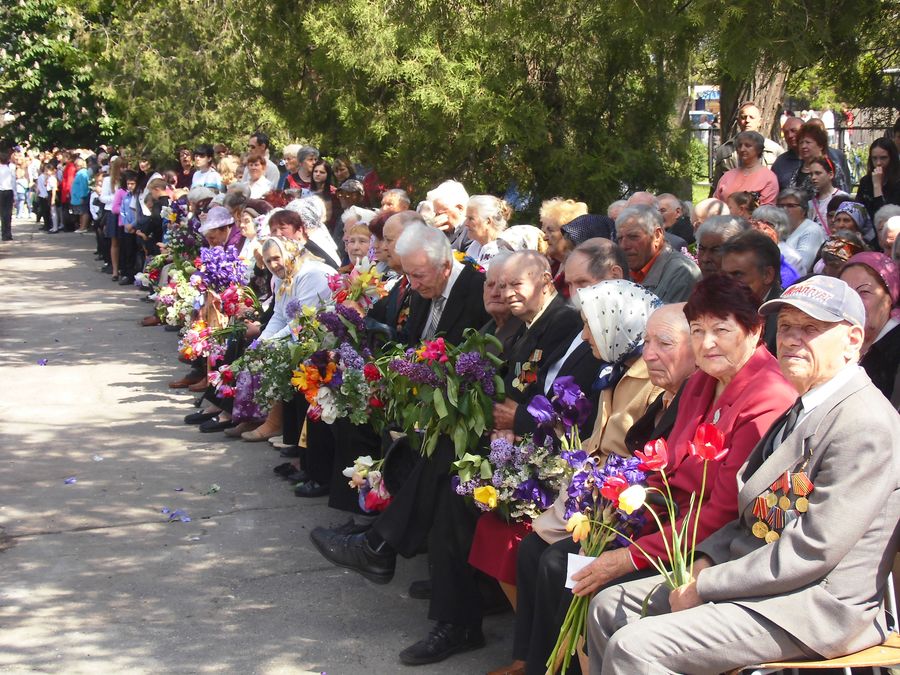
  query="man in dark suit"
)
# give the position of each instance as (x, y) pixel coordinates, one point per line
(446, 299)
(455, 603)
(753, 258)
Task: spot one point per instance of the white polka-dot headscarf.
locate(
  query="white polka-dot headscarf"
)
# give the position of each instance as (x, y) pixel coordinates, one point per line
(617, 313)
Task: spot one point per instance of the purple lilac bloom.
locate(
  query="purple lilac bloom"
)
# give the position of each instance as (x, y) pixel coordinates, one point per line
(334, 325)
(352, 316)
(418, 373)
(293, 308)
(502, 452)
(473, 367)
(350, 357)
(497, 479)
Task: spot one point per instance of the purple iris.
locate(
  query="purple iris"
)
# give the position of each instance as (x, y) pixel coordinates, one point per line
(541, 410)
(534, 491)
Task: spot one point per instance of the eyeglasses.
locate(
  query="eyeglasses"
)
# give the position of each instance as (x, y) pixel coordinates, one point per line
(789, 206)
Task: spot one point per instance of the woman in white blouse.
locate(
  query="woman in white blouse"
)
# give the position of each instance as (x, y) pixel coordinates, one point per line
(486, 218)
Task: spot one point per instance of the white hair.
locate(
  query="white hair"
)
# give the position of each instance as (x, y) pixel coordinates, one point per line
(648, 217)
(490, 208)
(727, 226)
(616, 208)
(291, 150)
(432, 242)
(362, 215)
(451, 192)
(883, 214)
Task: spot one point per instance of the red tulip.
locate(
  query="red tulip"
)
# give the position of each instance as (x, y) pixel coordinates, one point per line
(612, 487)
(655, 456)
(708, 443)
(375, 402)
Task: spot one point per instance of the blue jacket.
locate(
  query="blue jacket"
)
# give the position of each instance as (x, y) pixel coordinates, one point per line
(80, 187)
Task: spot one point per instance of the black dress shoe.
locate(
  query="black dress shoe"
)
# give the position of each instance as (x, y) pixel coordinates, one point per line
(285, 469)
(311, 489)
(297, 476)
(353, 552)
(444, 640)
(199, 417)
(420, 590)
(213, 425)
(291, 452)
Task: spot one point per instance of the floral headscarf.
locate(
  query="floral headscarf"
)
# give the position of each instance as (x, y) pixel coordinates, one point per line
(617, 311)
(522, 238)
(860, 216)
(291, 258)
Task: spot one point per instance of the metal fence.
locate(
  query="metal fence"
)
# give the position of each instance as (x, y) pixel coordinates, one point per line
(854, 142)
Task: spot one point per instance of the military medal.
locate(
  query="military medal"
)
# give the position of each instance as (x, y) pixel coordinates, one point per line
(773, 511)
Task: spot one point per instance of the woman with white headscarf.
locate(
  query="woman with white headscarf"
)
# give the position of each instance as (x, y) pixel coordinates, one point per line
(299, 278)
(521, 238)
(312, 211)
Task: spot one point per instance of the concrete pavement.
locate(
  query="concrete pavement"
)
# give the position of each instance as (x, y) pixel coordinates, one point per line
(93, 579)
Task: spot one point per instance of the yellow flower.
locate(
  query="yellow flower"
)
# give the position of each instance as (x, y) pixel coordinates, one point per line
(299, 380)
(632, 498)
(579, 525)
(487, 494)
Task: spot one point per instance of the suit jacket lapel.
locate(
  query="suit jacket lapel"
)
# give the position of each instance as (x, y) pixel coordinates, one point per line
(791, 449)
(456, 301)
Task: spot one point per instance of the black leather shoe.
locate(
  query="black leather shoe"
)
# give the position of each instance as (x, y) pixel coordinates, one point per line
(199, 417)
(297, 476)
(420, 590)
(290, 452)
(444, 640)
(311, 489)
(353, 552)
(213, 425)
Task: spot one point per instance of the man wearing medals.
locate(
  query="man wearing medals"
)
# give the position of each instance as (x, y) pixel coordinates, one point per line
(801, 573)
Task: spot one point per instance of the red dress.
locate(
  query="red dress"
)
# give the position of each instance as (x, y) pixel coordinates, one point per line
(496, 545)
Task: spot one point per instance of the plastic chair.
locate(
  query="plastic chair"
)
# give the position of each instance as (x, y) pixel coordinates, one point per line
(885, 655)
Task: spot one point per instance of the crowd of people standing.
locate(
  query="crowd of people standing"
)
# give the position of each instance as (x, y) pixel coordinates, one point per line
(770, 311)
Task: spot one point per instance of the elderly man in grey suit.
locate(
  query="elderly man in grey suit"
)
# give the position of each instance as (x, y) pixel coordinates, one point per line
(801, 573)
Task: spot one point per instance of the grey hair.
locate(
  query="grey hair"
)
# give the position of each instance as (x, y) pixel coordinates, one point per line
(648, 217)
(431, 241)
(236, 196)
(490, 208)
(794, 193)
(602, 254)
(754, 137)
(776, 217)
(669, 197)
(291, 150)
(727, 226)
(617, 205)
(882, 214)
(306, 151)
(895, 250)
(404, 197)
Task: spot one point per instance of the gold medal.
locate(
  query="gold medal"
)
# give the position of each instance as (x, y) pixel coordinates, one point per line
(772, 536)
(760, 529)
(771, 499)
(802, 505)
(784, 503)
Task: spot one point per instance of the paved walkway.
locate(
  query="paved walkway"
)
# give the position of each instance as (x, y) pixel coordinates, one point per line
(92, 577)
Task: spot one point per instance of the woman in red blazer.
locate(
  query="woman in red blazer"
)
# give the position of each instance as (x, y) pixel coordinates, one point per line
(738, 388)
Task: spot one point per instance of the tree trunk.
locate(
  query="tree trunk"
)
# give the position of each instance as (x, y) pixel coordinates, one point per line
(766, 89)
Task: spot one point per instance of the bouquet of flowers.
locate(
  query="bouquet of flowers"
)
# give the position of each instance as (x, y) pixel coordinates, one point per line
(600, 506)
(338, 383)
(238, 299)
(223, 379)
(177, 300)
(183, 241)
(518, 481)
(196, 341)
(149, 278)
(362, 284)
(218, 268)
(365, 476)
(443, 390)
(272, 361)
(523, 480)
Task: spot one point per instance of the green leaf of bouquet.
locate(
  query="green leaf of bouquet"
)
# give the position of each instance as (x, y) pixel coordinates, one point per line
(453, 391)
(440, 406)
(486, 470)
(499, 386)
(460, 440)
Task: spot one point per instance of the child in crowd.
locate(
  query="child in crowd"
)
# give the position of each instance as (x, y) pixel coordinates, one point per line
(127, 221)
(742, 204)
(23, 208)
(821, 175)
(52, 180)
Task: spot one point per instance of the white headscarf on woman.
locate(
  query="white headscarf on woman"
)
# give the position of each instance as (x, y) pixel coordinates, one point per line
(521, 238)
(616, 311)
(312, 212)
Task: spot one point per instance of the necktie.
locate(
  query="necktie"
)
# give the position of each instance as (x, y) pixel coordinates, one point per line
(790, 421)
(437, 306)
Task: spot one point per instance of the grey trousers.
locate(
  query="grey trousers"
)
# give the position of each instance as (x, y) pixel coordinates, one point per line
(711, 638)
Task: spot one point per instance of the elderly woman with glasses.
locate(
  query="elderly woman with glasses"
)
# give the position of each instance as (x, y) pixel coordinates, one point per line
(751, 175)
(803, 236)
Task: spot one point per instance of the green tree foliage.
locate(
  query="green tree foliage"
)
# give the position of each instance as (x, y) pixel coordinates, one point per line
(46, 77)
